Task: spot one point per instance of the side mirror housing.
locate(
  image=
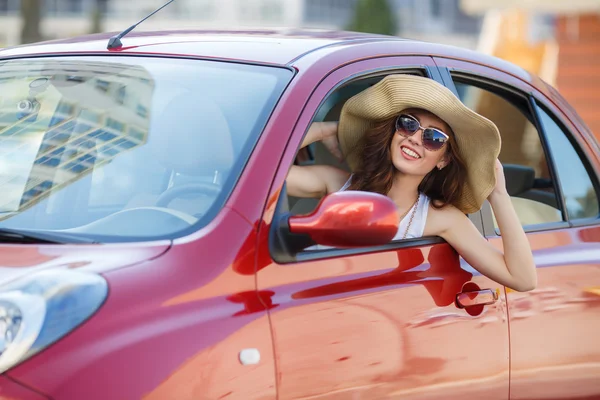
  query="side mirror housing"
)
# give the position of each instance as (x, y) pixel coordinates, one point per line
(342, 219)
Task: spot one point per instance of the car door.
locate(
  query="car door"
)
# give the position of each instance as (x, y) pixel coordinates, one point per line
(379, 322)
(549, 164)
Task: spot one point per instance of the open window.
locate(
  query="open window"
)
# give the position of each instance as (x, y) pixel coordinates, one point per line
(330, 110)
(531, 139)
(337, 227)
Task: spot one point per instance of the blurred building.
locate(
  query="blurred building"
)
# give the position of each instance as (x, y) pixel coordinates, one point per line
(556, 39)
(442, 21)
(433, 20)
(65, 18)
(67, 135)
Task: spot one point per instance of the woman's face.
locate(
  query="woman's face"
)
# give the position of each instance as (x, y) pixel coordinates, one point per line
(408, 153)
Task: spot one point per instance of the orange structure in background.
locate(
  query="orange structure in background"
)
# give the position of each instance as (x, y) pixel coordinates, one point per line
(578, 72)
(564, 50)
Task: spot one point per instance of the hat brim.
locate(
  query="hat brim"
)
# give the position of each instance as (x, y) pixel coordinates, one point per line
(477, 138)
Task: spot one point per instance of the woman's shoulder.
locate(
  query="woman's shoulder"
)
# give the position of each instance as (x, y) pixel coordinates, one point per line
(340, 180)
(441, 219)
(335, 178)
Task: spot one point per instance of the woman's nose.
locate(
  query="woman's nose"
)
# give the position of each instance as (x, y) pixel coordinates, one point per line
(416, 137)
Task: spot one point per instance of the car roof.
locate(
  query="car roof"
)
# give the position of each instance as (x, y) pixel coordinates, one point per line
(263, 46)
(271, 46)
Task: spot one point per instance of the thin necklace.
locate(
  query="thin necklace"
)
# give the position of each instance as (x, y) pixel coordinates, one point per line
(414, 208)
(405, 212)
(410, 208)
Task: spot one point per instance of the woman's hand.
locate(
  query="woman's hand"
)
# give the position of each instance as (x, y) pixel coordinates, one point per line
(513, 267)
(500, 188)
(325, 132)
(318, 180)
(330, 139)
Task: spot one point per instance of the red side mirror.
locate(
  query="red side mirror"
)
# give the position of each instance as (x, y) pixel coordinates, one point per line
(349, 219)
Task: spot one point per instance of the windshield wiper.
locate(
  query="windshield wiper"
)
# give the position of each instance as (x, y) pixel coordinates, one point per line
(9, 235)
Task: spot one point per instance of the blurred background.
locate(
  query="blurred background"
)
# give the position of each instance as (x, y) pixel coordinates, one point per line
(556, 39)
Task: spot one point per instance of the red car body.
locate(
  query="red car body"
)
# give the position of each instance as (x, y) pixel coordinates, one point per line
(181, 315)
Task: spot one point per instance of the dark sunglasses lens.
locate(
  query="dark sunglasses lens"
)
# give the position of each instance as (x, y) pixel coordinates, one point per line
(408, 124)
(433, 139)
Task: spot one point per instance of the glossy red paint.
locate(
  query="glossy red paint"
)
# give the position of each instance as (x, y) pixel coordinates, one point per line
(264, 46)
(385, 326)
(11, 390)
(19, 260)
(350, 219)
(171, 328)
(378, 323)
(554, 346)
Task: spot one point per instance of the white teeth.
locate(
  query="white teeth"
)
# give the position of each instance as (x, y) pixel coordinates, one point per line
(410, 152)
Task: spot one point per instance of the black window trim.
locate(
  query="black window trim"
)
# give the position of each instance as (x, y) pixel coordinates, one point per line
(323, 254)
(494, 86)
(549, 158)
(538, 104)
(431, 72)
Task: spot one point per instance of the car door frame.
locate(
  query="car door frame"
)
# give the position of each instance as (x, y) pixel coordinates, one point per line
(382, 65)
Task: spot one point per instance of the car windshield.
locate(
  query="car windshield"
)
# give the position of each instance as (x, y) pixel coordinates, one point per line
(120, 148)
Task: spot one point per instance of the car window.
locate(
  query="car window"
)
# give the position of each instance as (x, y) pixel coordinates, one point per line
(126, 148)
(577, 188)
(316, 153)
(529, 181)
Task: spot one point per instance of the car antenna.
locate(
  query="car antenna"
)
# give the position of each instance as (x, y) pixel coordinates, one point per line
(115, 41)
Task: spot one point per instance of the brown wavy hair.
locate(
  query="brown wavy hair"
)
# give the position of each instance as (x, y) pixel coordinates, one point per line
(375, 172)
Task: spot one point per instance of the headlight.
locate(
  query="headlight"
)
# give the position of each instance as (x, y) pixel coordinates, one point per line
(39, 309)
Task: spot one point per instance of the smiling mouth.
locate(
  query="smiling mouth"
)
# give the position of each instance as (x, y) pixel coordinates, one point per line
(410, 153)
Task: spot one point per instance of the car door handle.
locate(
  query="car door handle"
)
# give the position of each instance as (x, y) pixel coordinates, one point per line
(481, 297)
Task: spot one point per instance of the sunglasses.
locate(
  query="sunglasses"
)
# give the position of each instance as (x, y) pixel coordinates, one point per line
(433, 139)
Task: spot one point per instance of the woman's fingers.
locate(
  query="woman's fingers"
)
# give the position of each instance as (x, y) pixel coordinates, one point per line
(333, 146)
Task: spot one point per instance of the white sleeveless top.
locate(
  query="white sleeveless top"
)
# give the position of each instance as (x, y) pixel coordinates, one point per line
(417, 227)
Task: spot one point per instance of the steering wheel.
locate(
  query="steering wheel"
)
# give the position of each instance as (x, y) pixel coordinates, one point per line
(177, 191)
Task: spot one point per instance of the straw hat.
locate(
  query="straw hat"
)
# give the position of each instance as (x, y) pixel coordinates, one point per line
(477, 138)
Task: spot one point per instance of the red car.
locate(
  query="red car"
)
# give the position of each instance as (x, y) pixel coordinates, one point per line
(149, 249)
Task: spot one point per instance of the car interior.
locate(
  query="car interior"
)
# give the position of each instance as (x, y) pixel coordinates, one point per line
(198, 165)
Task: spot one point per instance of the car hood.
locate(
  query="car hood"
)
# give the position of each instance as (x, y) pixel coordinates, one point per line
(19, 260)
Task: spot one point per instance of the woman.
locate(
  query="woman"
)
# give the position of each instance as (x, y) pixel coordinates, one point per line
(411, 139)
